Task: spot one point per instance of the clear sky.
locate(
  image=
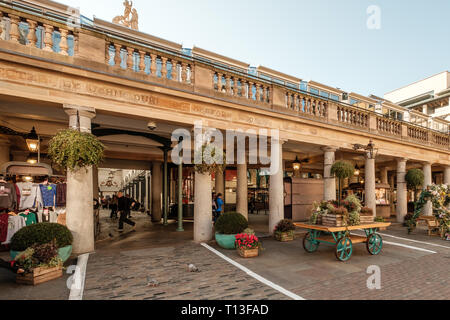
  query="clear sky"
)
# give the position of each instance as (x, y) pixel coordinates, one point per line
(323, 40)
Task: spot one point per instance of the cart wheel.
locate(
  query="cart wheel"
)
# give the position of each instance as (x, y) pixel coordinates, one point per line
(374, 243)
(344, 249)
(309, 244)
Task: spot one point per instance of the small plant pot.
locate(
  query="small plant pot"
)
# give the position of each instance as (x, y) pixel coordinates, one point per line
(248, 253)
(284, 236)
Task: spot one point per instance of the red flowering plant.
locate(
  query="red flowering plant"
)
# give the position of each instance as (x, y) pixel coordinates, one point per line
(247, 241)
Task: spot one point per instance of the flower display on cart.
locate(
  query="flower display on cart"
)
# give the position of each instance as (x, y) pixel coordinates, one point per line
(439, 195)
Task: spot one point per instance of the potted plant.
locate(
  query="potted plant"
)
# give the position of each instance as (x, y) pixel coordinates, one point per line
(247, 245)
(284, 230)
(71, 149)
(353, 206)
(42, 233)
(342, 169)
(335, 218)
(40, 263)
(227, 226)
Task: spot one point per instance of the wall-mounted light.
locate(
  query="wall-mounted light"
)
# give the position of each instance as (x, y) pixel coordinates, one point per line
(32, 158)
(27, 178)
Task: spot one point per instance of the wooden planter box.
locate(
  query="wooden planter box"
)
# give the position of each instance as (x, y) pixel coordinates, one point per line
(284, 236)
(366, 219)
(248, 253)
(332, 220)
(39, 275)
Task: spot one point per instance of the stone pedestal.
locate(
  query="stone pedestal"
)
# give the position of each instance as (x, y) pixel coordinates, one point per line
(402, 204)
(79, 204)
(428, 208)
(202, 208)
(276, 190)
(369, 185)
(329, 183)
(156, 190)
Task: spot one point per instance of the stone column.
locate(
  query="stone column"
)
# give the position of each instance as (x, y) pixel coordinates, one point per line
(428, 208)
(180, 197)
(165, 187)
(202, 208)
(156, 186)
(242, 184)
(402, 204)
(219, 183)
(79, 208)
(4, 150)
(329, 183)
(369, 184)
(384, 175)
(447, 175)
(276, 189)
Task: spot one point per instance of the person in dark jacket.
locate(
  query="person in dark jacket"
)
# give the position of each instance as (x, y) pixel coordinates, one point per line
(123, 206)
(11, 265)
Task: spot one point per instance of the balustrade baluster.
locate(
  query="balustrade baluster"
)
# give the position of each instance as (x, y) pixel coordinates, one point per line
(250, 90)
(228, 84)
(141, 61)
(48, 38)
(174, 70)
(258, 92)
(219, 82)
(191, 67)
(153, 66)
(63, 45)
(31, 37)
(164, 67)
(184, 72)
(117, 55)
(14, 33)
(130, 62)
(235, 87)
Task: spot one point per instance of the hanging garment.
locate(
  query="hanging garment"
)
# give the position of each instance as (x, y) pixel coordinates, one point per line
(17, 196)
(61, 191)
(30, 195)
(30, 218)
(3, 226)
(48, 193)
(15, 223)
(8, 197)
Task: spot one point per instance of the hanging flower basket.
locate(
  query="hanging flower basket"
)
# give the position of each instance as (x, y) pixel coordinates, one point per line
(209, 159)
(71, 149)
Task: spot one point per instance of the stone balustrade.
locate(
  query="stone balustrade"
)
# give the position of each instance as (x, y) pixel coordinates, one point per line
(352, 116)
(38, 33)
(242, 87)
(389, 126)
(150, 62)
(306, 105)
(440, 139)
(418, 133)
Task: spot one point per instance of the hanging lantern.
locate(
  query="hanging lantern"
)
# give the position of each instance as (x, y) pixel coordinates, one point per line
(296, 164)
(32, 140)
(357, 170)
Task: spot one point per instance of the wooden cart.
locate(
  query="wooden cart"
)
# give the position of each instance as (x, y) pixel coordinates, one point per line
(343, 241)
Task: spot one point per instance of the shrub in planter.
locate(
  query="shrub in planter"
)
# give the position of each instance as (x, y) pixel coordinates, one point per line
(342, 169)
(42, 233)
(227, 226)
(284, 230)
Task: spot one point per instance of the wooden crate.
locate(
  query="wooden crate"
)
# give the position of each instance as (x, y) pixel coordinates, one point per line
(39, 275)
(366, 219)
(248, 253)
(284, 236)
(332, 220)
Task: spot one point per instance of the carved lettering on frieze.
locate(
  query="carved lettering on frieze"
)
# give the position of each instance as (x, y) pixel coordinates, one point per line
(211, 112)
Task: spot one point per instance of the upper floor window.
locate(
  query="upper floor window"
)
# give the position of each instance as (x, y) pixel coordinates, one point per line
(334, 97)
(304, 86)
(324, 94)
(314, 90)
(353, 101)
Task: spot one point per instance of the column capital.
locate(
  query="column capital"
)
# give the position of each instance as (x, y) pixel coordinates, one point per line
(329, 149)
(83, 111)
(402, 159)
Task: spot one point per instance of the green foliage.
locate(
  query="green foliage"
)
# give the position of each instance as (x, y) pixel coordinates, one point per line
(342, 169)
(209, 159)
(340, 211)
(249, 231)
(231, 223)
(414, 178)
(72, 149)
(41, 233)
(366, 211)
(284, 225)
(42, 255)
(353, 218)
(379, 219)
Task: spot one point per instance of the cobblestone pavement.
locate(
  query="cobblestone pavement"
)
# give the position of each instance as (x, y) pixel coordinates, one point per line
(123, 268)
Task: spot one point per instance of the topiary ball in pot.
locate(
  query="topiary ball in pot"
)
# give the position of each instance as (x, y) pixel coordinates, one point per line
(227, 226)
(43, 233)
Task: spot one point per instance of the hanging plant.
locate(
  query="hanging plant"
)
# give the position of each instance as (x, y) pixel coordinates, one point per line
(71, 149)
(212, 159)
(342, 169)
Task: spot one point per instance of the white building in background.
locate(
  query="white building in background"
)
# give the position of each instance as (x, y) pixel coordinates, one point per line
(430, 96)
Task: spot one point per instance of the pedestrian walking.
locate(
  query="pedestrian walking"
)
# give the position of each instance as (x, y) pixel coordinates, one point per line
(113, 206)
(123, 204)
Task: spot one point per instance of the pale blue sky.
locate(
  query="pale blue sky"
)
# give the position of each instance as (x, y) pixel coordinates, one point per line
(323, 40)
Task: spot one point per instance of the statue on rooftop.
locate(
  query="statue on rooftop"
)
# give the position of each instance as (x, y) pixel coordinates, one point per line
(125, 20)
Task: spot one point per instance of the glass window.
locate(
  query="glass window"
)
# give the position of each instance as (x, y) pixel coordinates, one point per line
(353, 101)
(314, 90)
(334, 97)
(304, 86)
(324, 94)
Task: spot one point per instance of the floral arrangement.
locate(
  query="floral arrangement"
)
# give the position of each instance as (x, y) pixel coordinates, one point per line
(39, 256)
(340, 211)
(366, 211)
(246, 241)
(439, 195)
(284, 225)
(321, 208)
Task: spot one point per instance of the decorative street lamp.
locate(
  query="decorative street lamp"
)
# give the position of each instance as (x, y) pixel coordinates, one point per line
(33, 143)
(370, 148)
